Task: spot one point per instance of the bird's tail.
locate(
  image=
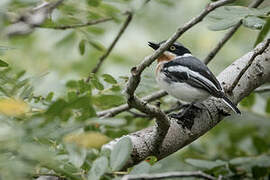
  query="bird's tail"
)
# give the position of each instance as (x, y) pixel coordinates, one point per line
(231, 105)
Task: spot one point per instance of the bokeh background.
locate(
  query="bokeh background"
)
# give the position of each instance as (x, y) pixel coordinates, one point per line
(51, 58)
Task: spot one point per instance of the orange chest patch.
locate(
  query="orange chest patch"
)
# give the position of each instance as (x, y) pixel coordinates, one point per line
(163, 59)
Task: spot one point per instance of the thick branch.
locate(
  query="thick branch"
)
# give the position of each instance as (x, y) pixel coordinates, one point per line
(196, 174)
(228, 35)
(210, 112)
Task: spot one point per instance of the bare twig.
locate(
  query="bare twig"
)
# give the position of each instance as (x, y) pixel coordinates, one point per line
(228, 35)
(256, 53)
(114, 111)
(136, 114)
(196, 174)
(262, 89)
(89, 23)
(106, 54)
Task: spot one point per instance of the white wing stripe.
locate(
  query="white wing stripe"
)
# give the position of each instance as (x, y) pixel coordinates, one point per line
(189, 71)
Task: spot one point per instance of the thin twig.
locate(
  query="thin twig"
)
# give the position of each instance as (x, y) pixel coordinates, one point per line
(196, 174)
(114, 111)
(228, 35)
(106, 54)
(262, 89)
(50, 175)
(89, 23)
(136, 114)
(256, 53)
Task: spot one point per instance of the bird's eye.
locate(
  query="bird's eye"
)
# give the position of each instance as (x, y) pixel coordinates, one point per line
(172, 48)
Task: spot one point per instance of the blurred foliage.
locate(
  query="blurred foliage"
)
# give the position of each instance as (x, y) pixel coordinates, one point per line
(49, 123)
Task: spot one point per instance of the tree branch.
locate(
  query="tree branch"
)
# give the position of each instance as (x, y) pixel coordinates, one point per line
(89, 23)
(196, 174)
(228, 35)
(106, 54)
(116, 110)
(162, 120)
(262, 89)
(257, 52)
(210, 112)
(31, 19)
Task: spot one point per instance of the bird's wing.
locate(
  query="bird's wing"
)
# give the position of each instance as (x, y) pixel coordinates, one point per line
(179, 71)
(195, 65)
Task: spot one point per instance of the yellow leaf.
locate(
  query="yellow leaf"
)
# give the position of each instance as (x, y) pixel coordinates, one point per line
(13, 107)
(88, 139)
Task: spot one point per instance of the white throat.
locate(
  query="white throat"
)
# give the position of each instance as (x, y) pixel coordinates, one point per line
(186, 55)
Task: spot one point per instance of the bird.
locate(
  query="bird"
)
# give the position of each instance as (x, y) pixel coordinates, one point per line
(186, 78)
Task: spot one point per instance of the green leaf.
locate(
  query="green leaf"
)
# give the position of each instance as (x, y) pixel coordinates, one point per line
(241, 160)
(49, 96)
(57, 107)
(95, 82)
(68, 39)
(93, 2)
(85, 105)
(76, 155)
(259, 172)
(72, 84)
(263, 32)
(3, 63)
(141, 168)
(82, 47)
(109, 79)
(108, 100)
(248, 101)
(260, 144)
(267, 108)
(84, 86)
(253, 22)
(98, 46)
(223, 24)
(121, 153)
(72, 96)
(205, 164)
(99, 167)
(115, 88)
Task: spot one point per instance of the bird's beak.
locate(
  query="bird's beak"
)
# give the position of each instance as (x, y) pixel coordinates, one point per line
(153, 45)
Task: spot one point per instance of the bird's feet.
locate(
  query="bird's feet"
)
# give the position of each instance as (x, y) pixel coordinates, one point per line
(185, 117)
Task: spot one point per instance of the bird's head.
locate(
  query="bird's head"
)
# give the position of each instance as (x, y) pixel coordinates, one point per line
(176, 49)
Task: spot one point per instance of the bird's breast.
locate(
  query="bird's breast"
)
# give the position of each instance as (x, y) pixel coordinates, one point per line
(180, 90)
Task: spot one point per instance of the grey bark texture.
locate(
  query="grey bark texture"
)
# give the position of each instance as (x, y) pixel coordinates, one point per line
(210, 112)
